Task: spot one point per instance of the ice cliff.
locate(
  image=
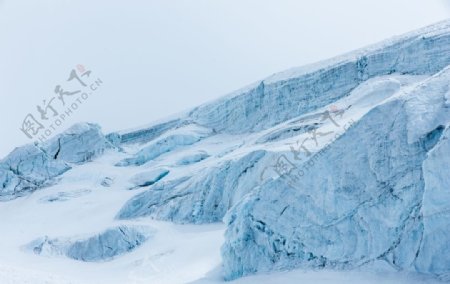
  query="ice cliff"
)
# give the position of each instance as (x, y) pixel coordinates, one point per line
(367, 199)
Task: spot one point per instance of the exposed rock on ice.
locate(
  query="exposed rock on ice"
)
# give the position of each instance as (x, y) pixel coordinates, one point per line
(107, 182)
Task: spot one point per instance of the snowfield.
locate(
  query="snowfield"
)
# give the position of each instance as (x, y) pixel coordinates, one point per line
(330, 173)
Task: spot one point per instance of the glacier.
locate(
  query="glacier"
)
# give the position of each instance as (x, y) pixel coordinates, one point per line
(340, 165)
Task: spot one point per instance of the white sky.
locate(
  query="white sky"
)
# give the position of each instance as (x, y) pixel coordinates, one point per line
(157, 58)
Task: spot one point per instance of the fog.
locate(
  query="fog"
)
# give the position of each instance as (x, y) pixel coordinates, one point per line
(156, 58)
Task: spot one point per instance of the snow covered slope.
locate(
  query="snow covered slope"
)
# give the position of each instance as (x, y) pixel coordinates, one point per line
(340, 165)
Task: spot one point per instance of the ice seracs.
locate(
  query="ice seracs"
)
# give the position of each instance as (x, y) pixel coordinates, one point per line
(171, 141)
(101, 247)
(32, 166)
(203, 198)
(366, 200)
(298, 91)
